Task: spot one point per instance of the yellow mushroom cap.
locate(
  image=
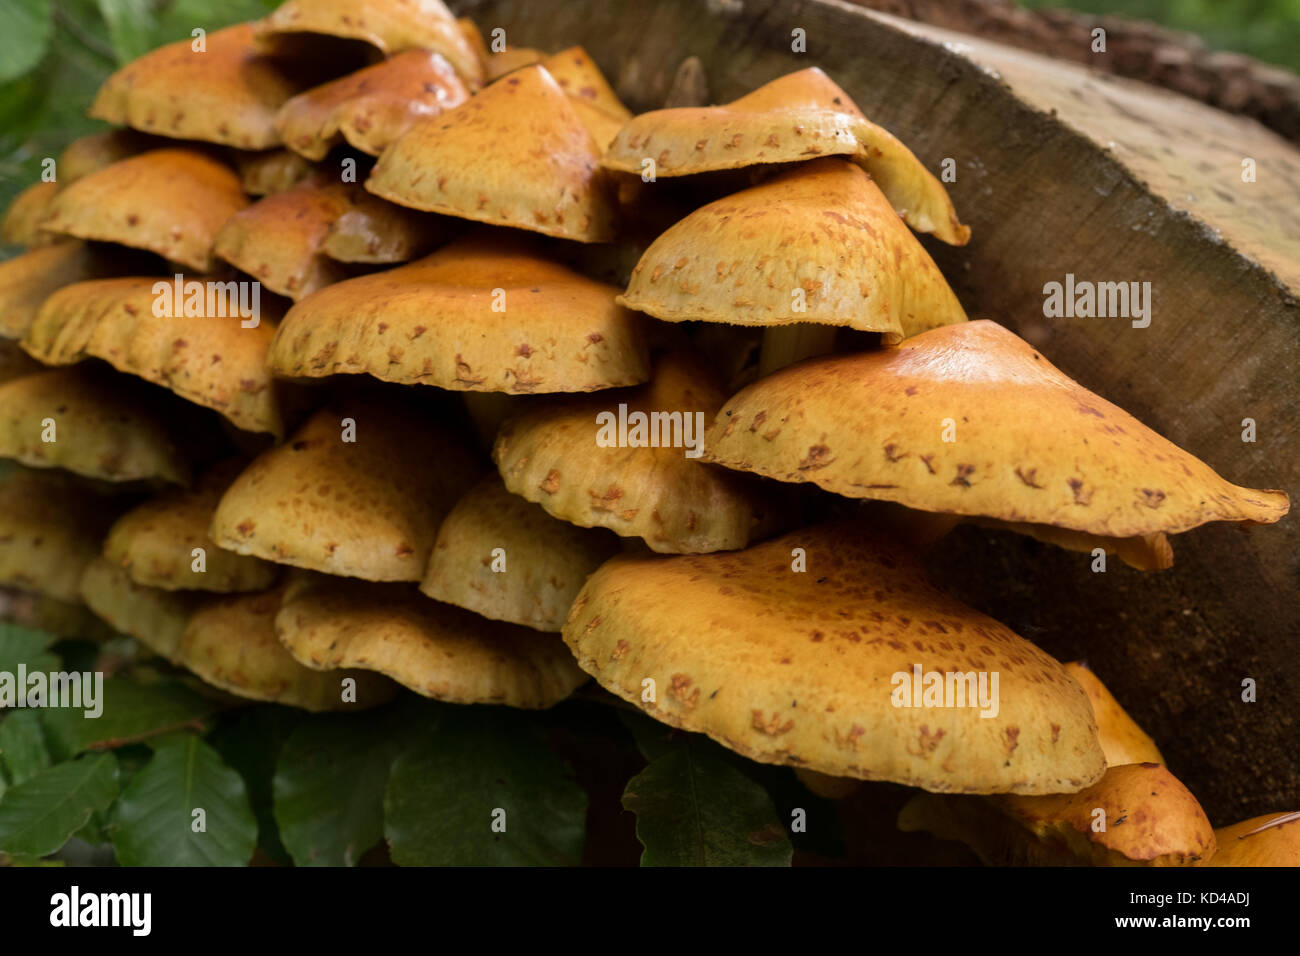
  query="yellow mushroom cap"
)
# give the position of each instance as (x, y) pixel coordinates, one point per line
(368, 508)
(271, 171)
(373, 230)
(23, 220)
(1030, 443)
(434, 649)
(580, 78)
(230, 643)
(485, 313)
(390, 26)
(225, 93)
(1272, 839)
(155, 542)
(797, 117)
(552, 455)
(505, 558)
(27, 280)
(1122, 740)
(207, 357)
(815, 668)
(1150, 819)
(51, 526)
(169, 201)
(372, 107)
(469, 163)
(154, 617)
(102, 427)
(278, 240)
(818, 243)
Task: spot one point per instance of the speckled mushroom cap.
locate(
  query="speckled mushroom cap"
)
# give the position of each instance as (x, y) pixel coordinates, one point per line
(210, 358)
(799, 667)
(580, 78)
(375, 231)
(169, 201)
(435, 649)
(154, 617)
(102, 429)
(469, 163)
(270, 171)
(27, 280)
(1122, 740)
(368, 508)
(1151, 820)
(25, 216)
(510, 59)
(230, 643)
(437, 322)
(505, 558)
(820, 235)
(1030, 443)
(372, 107)
(391, 26)
(278, 239)
(1246, 844)
(92, 152)
(549, 454)
(50, 529)
(227, 93)
(154, 542)
(798, 117)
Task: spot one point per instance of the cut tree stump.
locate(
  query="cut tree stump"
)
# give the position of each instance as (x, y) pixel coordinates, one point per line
(1061, 170)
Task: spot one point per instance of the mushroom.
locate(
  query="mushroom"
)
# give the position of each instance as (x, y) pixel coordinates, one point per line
(580, 78)
(169, 201)
(51, 525)
(23, 220)
(230, 643)
(372, 107)
(970, 420)
(391, 26)
(271, 171)
(434, 649)
(225, 93)
(374, 231)
(1122, 740)
(27, 280)
(90, 422)
(797, 117)
(154, 617)
(510, 59)
(1136, 815)
(485, 313)
(553, 454)
(278, 239)
(158, 543)
(505, 558)
(816, 668)
(359, 490)
(746, 259)
(205, 351)
(1272, 839)
(552, 186)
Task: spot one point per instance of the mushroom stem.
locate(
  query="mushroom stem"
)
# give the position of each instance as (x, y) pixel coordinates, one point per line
(786, 344)
(488, 410)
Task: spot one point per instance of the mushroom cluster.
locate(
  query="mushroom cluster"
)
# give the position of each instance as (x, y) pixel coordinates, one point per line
(358, 359)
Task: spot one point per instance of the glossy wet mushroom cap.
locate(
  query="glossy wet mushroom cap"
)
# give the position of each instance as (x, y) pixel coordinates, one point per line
(817, 244)
(806, 650)
(1027, 442)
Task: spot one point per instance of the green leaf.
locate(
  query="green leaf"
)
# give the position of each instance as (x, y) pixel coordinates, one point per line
(329, 785)
(25, 37)
(38, 816)
(155, 820)
(132, 712)
(445, 793)
(130, 27)
(23, 752)
(695, 808)
(251, 741)
(22, 645)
